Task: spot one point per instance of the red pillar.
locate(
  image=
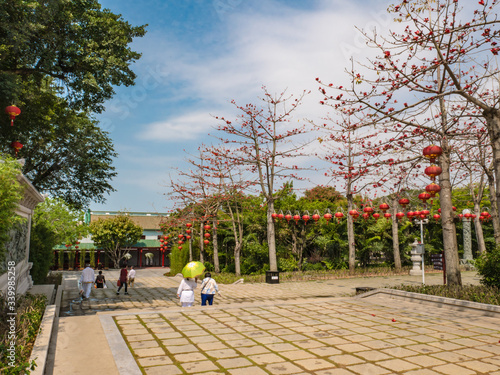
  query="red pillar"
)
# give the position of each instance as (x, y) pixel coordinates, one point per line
(140, 258)
(163, 258)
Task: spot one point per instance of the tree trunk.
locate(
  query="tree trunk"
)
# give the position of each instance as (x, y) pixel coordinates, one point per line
(493, 209)
(271, 238)
(492, 118)
(237, 261)
(449, 230)
(216, 250)
(202, 245)
(395, 236)
(350, 235)
(481, 247)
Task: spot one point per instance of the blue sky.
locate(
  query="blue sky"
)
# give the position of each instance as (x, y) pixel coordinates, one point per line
(198, 55)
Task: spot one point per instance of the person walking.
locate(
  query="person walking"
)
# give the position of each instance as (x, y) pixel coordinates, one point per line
(208, 289)
(100, 281)
(186, 291)
(123, 279)
(131, 276)
(87, 280)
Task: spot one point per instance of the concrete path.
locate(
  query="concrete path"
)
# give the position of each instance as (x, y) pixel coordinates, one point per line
(287, 328)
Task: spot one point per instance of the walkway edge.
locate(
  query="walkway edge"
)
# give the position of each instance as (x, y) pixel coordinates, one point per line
(124, 360)
(42, 342)
(489, 310)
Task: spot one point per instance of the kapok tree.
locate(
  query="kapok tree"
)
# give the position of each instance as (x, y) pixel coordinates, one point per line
(357, 162)
(260, 140)
(437, 58)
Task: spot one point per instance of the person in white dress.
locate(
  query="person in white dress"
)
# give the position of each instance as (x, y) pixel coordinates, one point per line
(131, 276)
(186, 291)
(87, 280)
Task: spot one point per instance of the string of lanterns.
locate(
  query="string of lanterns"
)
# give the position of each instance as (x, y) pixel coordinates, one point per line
(13, 112)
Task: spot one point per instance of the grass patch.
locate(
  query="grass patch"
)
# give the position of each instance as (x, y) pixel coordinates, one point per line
(473, 293)
(29, 309)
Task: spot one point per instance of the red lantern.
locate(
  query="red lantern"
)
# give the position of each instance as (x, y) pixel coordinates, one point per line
(424, 212)
(368, 210)
(296, 218)
(281, 216)
(188, 231)
(188, 237)
(166, 237)
(180, 235)
(432, 152)
(485, 214)
(376, 215)
(433, 189)
(439, 210)
(16, 146)
(404, 202)
(179, 247)
(467, 215)
(161, 240)
(274, 215)
(288, 217)
(424, 196)
(416, 213)
(316, 217)
(180, 242)
(473, 216)
(433, 171)
(306, 218)
(354, 214)
(76, 247)
(207, 235)
(387, 215)
(481, 218)
(328, 217)
(460, 216)
(339, 215)
(366, 216)
(400, 215)
(189, 225)
(12, 111)
(454, 208)
(207, 227)
(384, 207)
(410, 214)
(206, 242)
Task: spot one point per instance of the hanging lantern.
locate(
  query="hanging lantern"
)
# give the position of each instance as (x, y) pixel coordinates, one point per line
(368, 210)
(179, 247)
(166, 237)
(12, 111)
(188, 231)
(403, 202)
(433, 171)
(387, 215)
(281, 216)
(207, 227)
(425, 212)
(366, 216)
(180, 236)
(189, 225)
(339, 215)
(460, 216)
(188, 237)
(424, 196)
(354, 214)
(76, 247)
(274, 215)
(433, 189)
(384, 207)
(422, 217)
(416, 213)
(432, 152)
(473, 216)
(439, 210)
(306, 218)
(296, 217)
(288, 217)
(485, 214)
(316, 217)
(454, 208)
(161, 240)
(410, 214)
(328, 216)
(481, 218)
(400, 215)
(376, 215)
(207, 235)
(16, 146)
(180, 242)
(467, 216)
(206, 242)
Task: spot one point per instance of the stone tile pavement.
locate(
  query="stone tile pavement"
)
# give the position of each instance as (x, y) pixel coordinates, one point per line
(287, 328)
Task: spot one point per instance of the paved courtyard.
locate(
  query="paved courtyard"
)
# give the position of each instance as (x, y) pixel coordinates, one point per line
(287, 328)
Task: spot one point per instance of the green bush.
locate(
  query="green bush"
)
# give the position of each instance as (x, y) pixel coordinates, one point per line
(287, 265)
(488, 266)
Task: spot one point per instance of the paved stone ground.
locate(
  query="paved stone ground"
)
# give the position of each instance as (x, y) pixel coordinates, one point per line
(288, 328)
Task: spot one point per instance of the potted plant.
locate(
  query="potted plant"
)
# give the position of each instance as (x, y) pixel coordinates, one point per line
(71, 259)
(92, 258)
(82, 259)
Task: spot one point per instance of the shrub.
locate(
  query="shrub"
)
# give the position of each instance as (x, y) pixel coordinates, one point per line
(488, 266)
(287, 265)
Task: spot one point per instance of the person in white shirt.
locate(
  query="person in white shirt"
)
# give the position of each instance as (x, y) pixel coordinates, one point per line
(87, 280)
(186, 291)
(131, 276)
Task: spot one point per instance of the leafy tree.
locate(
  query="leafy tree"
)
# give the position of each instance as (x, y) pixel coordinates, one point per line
(54, 222)
(488, 266)
(114, 233)
(10, 195)
(84, 48)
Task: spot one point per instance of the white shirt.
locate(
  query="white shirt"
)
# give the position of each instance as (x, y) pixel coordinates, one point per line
(131, 274)
(87, 275)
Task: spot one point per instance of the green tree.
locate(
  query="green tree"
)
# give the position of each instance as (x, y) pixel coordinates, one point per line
(84, 48)
(54, 222)
(113, 234)
(10, 195)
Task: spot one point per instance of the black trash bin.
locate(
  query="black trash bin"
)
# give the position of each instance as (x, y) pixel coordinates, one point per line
(272, 277)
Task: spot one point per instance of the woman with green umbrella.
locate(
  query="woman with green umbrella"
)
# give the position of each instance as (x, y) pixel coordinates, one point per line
(188, 283)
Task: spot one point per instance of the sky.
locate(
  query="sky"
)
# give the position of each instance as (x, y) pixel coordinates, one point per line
(197, 56)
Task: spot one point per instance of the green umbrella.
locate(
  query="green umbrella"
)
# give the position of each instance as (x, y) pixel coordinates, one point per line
(193, 269)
